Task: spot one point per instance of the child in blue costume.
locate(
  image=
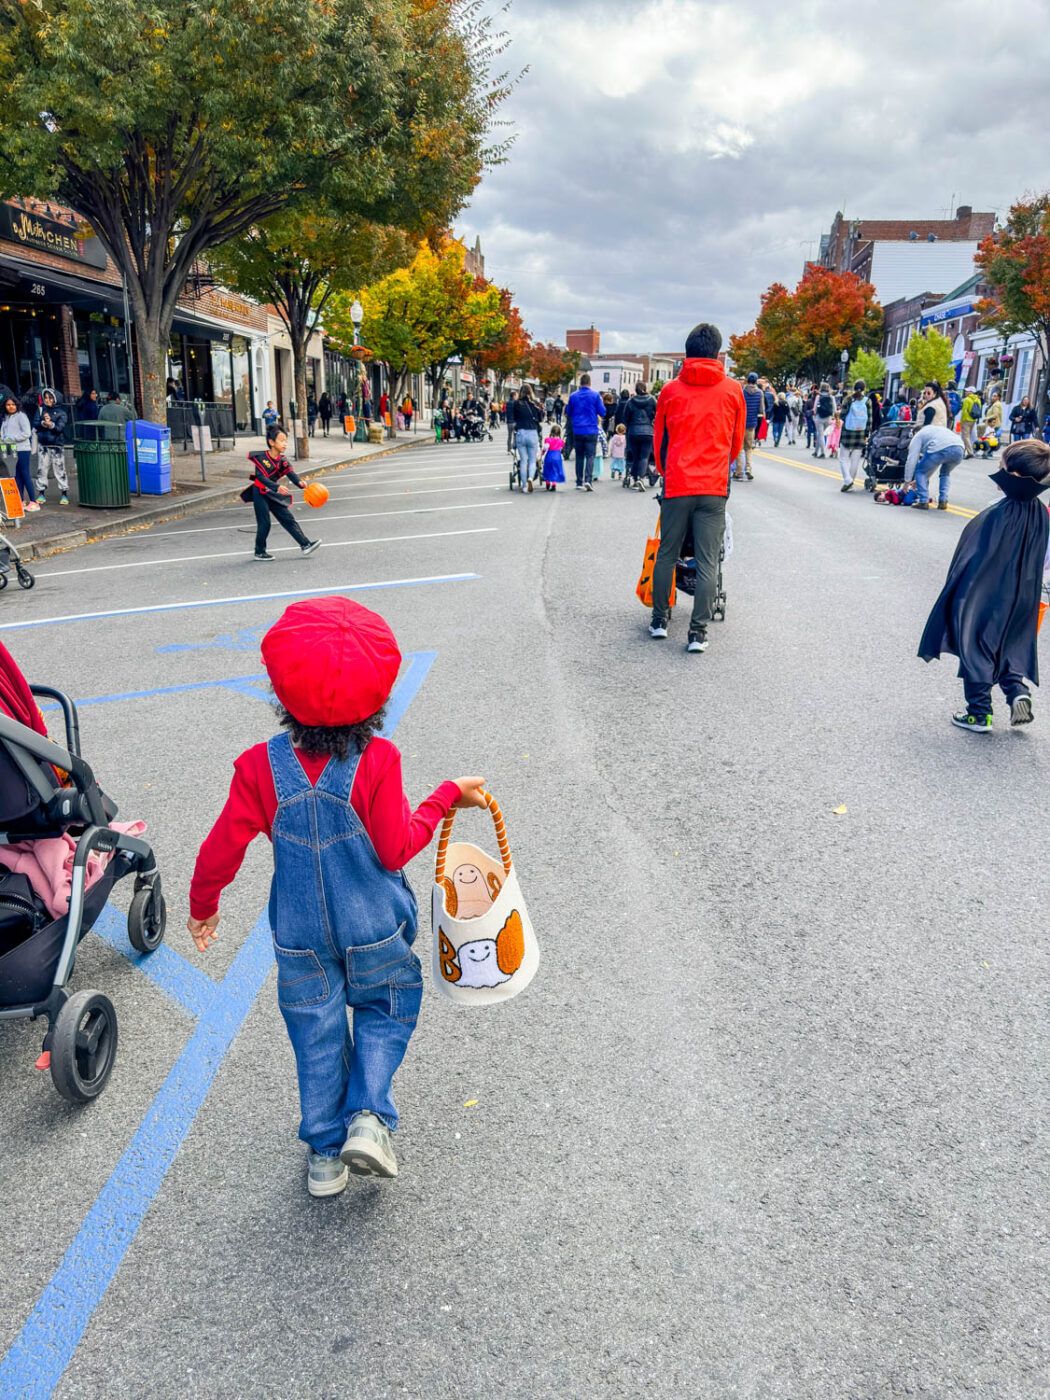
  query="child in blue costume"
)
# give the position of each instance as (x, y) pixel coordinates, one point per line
(553, 463)
(328, 793)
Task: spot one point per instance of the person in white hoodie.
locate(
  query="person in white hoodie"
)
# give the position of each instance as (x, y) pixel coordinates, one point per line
(932, 448)
(16, 436)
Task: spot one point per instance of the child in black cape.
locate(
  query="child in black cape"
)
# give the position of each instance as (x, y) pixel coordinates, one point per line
(988, 611)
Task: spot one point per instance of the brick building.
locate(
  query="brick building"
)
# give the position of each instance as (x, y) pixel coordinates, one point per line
(851, 243)
(587, 342)
(62, 320)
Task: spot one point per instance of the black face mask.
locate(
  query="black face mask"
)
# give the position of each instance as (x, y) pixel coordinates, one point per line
(1018, 488)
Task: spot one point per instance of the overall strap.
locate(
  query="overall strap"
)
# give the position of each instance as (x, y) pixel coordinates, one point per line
(338, 778)
(289, 780)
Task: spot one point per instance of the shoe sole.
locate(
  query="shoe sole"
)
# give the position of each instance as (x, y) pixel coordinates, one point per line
(329, 1188)
(311, 549)
(1021, 711)
(658, 636)
(694, 650)
(362, 1162)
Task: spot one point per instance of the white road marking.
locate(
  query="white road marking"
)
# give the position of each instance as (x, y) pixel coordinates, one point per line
(362, 515)
(240, 598)
(279, 549)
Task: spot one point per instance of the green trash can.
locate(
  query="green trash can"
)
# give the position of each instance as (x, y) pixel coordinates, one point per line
(102, 474)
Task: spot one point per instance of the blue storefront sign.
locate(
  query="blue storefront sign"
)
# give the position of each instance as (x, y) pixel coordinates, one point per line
(946, 313)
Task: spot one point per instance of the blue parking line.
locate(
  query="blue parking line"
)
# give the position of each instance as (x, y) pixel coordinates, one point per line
(236, 683)
(182, 980)
(43, 1349)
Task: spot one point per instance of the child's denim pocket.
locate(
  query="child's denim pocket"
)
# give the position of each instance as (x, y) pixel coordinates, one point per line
(388, 963)
(301, 980)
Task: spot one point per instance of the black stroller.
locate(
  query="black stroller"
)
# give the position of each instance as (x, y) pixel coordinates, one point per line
(37, 951)
(887, 454)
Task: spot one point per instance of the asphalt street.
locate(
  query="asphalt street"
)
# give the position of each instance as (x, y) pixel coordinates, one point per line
(771, 1120)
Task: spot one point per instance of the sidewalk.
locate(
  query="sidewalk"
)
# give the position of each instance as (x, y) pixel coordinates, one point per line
(55, 529)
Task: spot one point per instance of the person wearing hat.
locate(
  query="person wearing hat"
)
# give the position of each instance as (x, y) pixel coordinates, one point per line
(988, 611)
(327, 792)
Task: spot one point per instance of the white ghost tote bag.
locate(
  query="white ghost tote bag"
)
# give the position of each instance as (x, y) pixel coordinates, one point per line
(485, 949)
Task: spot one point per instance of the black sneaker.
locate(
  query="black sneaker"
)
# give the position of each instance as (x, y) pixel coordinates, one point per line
(311, 547)
(263, 557)
(697, 642)
(657, 628)
(973, 724)
(1021, 710)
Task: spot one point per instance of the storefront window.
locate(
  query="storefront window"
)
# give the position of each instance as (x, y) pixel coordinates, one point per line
(221, 374)
(242, 385)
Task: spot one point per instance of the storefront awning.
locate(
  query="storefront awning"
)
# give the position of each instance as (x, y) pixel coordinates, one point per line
(63, 286)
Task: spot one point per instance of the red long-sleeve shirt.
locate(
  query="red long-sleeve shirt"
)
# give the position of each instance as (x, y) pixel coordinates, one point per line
(378, 798)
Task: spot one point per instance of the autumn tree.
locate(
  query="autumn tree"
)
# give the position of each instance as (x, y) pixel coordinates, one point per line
(553, 366)
(1015, 263)
(508, 351)
(421, 318)
(927, 356)
(805, 331)
(174, 127)
(297, 261)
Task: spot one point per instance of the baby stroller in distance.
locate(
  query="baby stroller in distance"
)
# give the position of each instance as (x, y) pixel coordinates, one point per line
(887, 454)
(37, 951)
(9, 555)
(474, 429)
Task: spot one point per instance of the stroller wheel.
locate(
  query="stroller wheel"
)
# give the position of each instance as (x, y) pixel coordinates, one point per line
(3, 581)
(25, 578)
(83, 1046)
(147, 918)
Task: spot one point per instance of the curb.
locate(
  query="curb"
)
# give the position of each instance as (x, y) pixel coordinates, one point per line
(196, 505)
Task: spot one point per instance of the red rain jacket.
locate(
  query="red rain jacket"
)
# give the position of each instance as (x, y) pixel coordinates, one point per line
(699, 430)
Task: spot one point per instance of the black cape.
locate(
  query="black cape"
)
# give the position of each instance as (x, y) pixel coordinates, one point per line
(988, 610)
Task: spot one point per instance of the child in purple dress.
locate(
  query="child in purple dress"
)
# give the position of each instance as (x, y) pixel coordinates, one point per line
(553, 464)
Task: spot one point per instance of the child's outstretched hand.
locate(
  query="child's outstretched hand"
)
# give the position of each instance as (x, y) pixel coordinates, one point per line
(471, 792)
(202, 931)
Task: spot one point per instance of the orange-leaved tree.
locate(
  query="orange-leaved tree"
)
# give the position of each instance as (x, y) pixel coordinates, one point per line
(805, 331)
(553, 366)
(508, 351)
(1015, 262)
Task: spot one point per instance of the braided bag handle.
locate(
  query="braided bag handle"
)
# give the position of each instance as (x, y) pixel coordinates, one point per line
(501, 837)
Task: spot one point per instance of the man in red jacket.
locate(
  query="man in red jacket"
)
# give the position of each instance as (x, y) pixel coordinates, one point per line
(699, 431)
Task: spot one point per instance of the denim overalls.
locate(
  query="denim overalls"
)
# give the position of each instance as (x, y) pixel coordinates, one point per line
(342, 931)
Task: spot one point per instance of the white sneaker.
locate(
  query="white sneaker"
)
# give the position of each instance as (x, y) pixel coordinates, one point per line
(369, 1150)
(327, 1176)
(658, 629)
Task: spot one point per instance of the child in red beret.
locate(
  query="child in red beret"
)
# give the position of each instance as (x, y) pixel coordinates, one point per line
(327, 792)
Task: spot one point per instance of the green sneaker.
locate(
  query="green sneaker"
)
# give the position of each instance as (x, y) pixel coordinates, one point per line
(973, 724)
(369, 1149)
(327, 1175)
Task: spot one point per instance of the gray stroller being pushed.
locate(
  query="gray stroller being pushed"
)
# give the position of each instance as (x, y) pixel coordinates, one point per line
(48, 791)
(9, 556)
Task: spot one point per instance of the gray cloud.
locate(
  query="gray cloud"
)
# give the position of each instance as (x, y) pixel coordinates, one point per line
(674, 157)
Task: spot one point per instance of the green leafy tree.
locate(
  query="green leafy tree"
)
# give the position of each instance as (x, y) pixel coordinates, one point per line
(296, 261)
(174, 127)
(1015, 261)
(421, 318)
(869, 366)
(927, 355)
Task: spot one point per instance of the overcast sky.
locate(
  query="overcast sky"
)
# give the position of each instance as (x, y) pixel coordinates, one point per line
(674, 157)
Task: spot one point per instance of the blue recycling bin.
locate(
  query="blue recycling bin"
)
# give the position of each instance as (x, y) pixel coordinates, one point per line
(154, 452)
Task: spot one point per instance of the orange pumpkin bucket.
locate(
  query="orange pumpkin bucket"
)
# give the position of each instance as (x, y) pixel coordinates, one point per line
(315, 494)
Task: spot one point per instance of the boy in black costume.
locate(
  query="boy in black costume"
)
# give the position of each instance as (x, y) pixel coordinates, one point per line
(987, 614)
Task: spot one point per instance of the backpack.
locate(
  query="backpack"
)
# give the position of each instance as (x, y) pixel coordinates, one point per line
(825, 406)
(857, 415)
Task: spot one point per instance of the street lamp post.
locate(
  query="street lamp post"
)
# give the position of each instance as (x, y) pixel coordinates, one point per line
(844, 357)
(357, 315)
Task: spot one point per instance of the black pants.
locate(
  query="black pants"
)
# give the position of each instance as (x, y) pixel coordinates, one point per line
(705, 516)
(265, 506)
(585, 444)
(979, 697)
(639, 450)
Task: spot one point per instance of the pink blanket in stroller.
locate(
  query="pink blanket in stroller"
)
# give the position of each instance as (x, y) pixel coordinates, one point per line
(48, 865)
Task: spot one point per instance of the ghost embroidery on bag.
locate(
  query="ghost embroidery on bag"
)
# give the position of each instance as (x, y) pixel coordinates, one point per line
(484, 962)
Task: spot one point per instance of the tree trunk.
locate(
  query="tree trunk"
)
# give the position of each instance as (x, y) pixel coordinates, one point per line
(150, 338)
(302, 440)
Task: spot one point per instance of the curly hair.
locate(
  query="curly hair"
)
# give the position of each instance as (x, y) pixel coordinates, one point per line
(335, 741)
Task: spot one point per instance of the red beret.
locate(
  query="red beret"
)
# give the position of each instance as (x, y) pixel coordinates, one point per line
(331, 661)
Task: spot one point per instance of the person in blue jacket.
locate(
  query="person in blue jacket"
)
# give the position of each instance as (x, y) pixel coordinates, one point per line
(584, 412)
